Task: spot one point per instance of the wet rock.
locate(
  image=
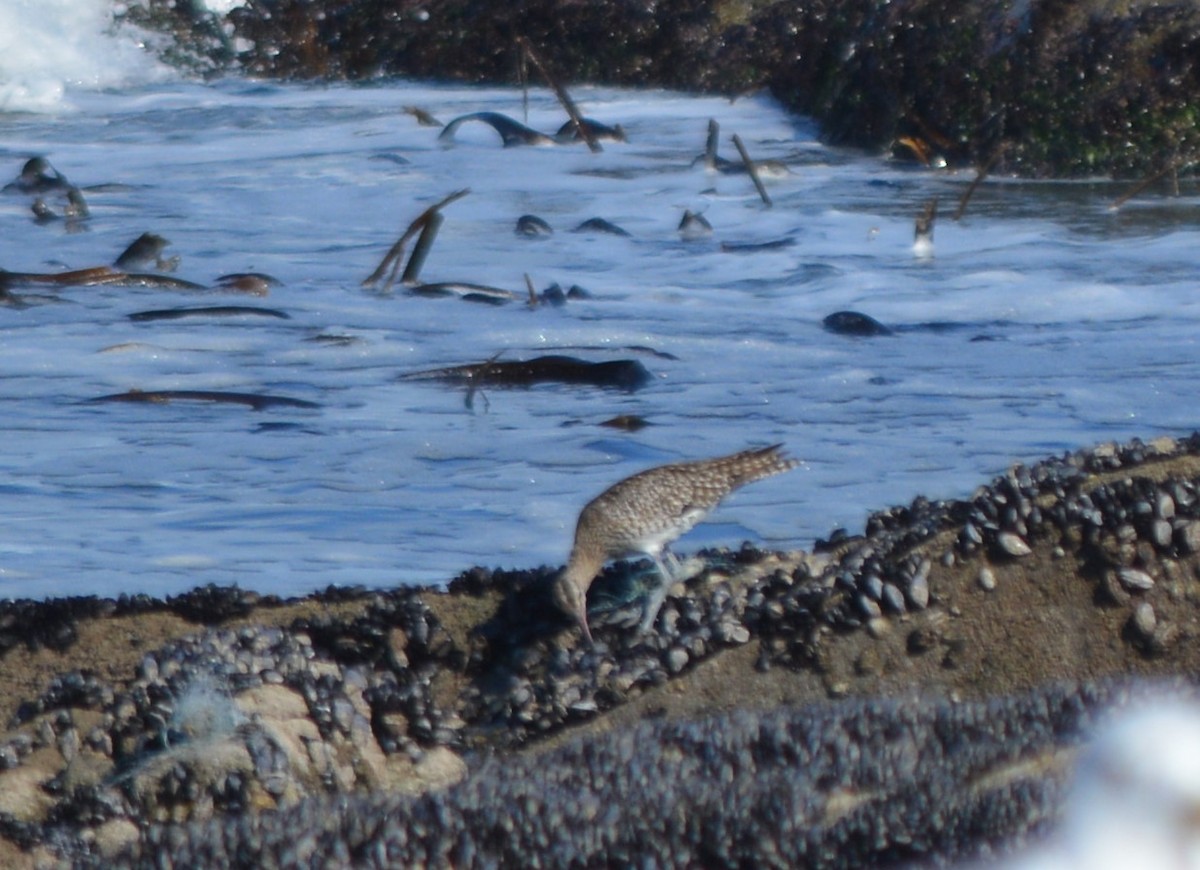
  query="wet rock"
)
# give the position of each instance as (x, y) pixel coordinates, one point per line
(1134, 580)
(1012, 545)
(1143, 622)
(1187, 536)
(868, 607)
(892, 599)
(1161, 533)
(918, 592)
(677, 660)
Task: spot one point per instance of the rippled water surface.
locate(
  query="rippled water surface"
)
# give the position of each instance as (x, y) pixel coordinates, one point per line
(1045, 321)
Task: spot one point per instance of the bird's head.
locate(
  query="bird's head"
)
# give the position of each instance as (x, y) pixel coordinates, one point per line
(570, 594)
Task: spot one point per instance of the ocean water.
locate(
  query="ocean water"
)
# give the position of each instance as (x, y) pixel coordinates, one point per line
(1044, 321)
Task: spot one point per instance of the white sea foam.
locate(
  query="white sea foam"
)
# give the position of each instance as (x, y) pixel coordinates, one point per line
(50, 48)
(222, 7)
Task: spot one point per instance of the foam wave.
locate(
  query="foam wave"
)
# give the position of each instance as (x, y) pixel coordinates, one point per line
(50, 47)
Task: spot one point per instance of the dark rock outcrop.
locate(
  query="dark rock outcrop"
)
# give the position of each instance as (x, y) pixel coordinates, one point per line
(1052, 87)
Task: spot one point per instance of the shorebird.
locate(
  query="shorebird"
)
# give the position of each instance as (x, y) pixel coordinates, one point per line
(645, 512)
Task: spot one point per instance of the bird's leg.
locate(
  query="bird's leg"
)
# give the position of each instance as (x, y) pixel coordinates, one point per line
(654, 601)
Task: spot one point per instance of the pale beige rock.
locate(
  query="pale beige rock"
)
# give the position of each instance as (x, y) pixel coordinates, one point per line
(114, 835)
(439, 768)
(272, 701)
(21, 793)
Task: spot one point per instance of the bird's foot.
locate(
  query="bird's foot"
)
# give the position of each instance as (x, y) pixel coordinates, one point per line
(654, 603)
(657, 596)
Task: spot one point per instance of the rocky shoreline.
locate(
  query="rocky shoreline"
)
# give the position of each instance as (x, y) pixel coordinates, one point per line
(1039, 88)
(224, 722)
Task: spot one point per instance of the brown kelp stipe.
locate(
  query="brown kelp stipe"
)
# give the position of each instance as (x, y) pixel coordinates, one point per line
(559, 91)
(421, 249)
(392, 259)
(983, 172)
(752, 168)
(1173, 165)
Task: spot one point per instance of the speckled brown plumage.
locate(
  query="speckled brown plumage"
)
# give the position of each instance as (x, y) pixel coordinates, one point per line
(645, 512)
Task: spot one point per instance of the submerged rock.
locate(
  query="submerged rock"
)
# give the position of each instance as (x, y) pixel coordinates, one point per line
(854, 323)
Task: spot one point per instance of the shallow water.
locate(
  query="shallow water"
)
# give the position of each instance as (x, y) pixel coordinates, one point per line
(1044, 322)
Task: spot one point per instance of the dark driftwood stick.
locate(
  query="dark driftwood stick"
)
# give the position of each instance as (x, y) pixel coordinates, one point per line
(563, 96)
(979, 177)
(752, 169)
(391, 260)
(1149, 180)
(523, 78)
(533, 299)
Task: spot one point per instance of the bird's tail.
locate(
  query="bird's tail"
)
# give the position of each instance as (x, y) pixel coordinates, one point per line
(751, 465)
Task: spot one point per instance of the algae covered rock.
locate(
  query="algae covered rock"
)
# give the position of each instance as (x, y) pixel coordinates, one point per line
(1044, 87)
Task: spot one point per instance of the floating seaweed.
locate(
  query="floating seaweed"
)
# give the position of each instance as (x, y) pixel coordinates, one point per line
(390, 264)
(250, 283)
(512, 132)
(753, 247)
(466, 291)
(95, 276)
(257, 401)
(208, 311)
(600, 225)
(622, 374)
